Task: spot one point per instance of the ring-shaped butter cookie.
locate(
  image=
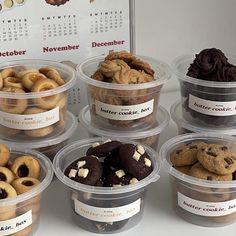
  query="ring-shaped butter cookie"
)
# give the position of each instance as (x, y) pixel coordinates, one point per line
(26, 166)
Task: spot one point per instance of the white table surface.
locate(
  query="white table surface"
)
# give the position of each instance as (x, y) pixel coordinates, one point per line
(158, 218)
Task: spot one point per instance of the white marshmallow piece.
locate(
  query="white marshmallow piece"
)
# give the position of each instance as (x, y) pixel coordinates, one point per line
(107, 141)
(95, 144)
(81, 164)
(140, 149)
(73, 173)
(136, 156)
(147, 162)
(117, 185)
(83, 172)
(120, 173)
(133, 181)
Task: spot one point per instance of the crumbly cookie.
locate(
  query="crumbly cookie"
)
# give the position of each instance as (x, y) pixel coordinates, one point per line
(186, 154)
(110, 67)
(198, 171)
(138, 64)
(217, 158)
(122, 55)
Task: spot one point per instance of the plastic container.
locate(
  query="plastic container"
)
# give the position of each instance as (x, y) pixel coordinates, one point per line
(123, 106)
(103, 209)
(49, 147)
(185, 126)
(201, 202)
(20, 215)
(206, 102)
(37, 114)
(148, 136)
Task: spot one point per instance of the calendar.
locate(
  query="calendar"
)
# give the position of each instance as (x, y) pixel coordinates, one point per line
(68, 31)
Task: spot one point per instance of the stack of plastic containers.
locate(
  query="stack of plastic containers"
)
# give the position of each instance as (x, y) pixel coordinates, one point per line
(125, 110)
(33, 115)
(207, 105)
(125, 113)
(201, 194)
(36, 119)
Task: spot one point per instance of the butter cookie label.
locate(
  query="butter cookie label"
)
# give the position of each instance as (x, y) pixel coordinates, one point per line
(112, 214)
(214, 108)
(31, 121)
(206, 208)
(17, 224)
(131, 112)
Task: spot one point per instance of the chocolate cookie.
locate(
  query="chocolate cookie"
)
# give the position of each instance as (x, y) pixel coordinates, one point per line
(117, 178)
(186, 155)
(217, 159)
(198, 171)
(103, 149)
(136, 160)
(86, 170)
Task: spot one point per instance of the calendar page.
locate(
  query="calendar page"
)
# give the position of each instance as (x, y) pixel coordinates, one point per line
(68, 31)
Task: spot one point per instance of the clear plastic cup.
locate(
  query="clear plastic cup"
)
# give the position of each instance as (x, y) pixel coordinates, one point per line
(35, 113)
(20, 215)
(148, 136)
(201, 202)
(185, 126)
(207, 103)
(49, 147)
(103, 209)
(123, 106)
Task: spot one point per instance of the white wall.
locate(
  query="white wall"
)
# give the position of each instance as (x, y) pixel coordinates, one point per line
(169, 28)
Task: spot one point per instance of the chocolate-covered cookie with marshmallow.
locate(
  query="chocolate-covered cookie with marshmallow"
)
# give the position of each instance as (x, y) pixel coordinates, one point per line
(111, 164)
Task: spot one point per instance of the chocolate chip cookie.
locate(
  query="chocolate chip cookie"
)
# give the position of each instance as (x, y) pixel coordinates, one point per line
(218, 159)
(187, 154)
(198, 171)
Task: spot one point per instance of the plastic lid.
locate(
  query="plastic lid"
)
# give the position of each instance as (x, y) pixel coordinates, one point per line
(64, 156)
(181, 64)
(176, 115)
(88, 67)
(180, 140)
(71, 124)
(162, 121)
(62, 68)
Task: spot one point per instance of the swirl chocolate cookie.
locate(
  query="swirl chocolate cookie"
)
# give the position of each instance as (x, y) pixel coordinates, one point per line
(210, 65)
